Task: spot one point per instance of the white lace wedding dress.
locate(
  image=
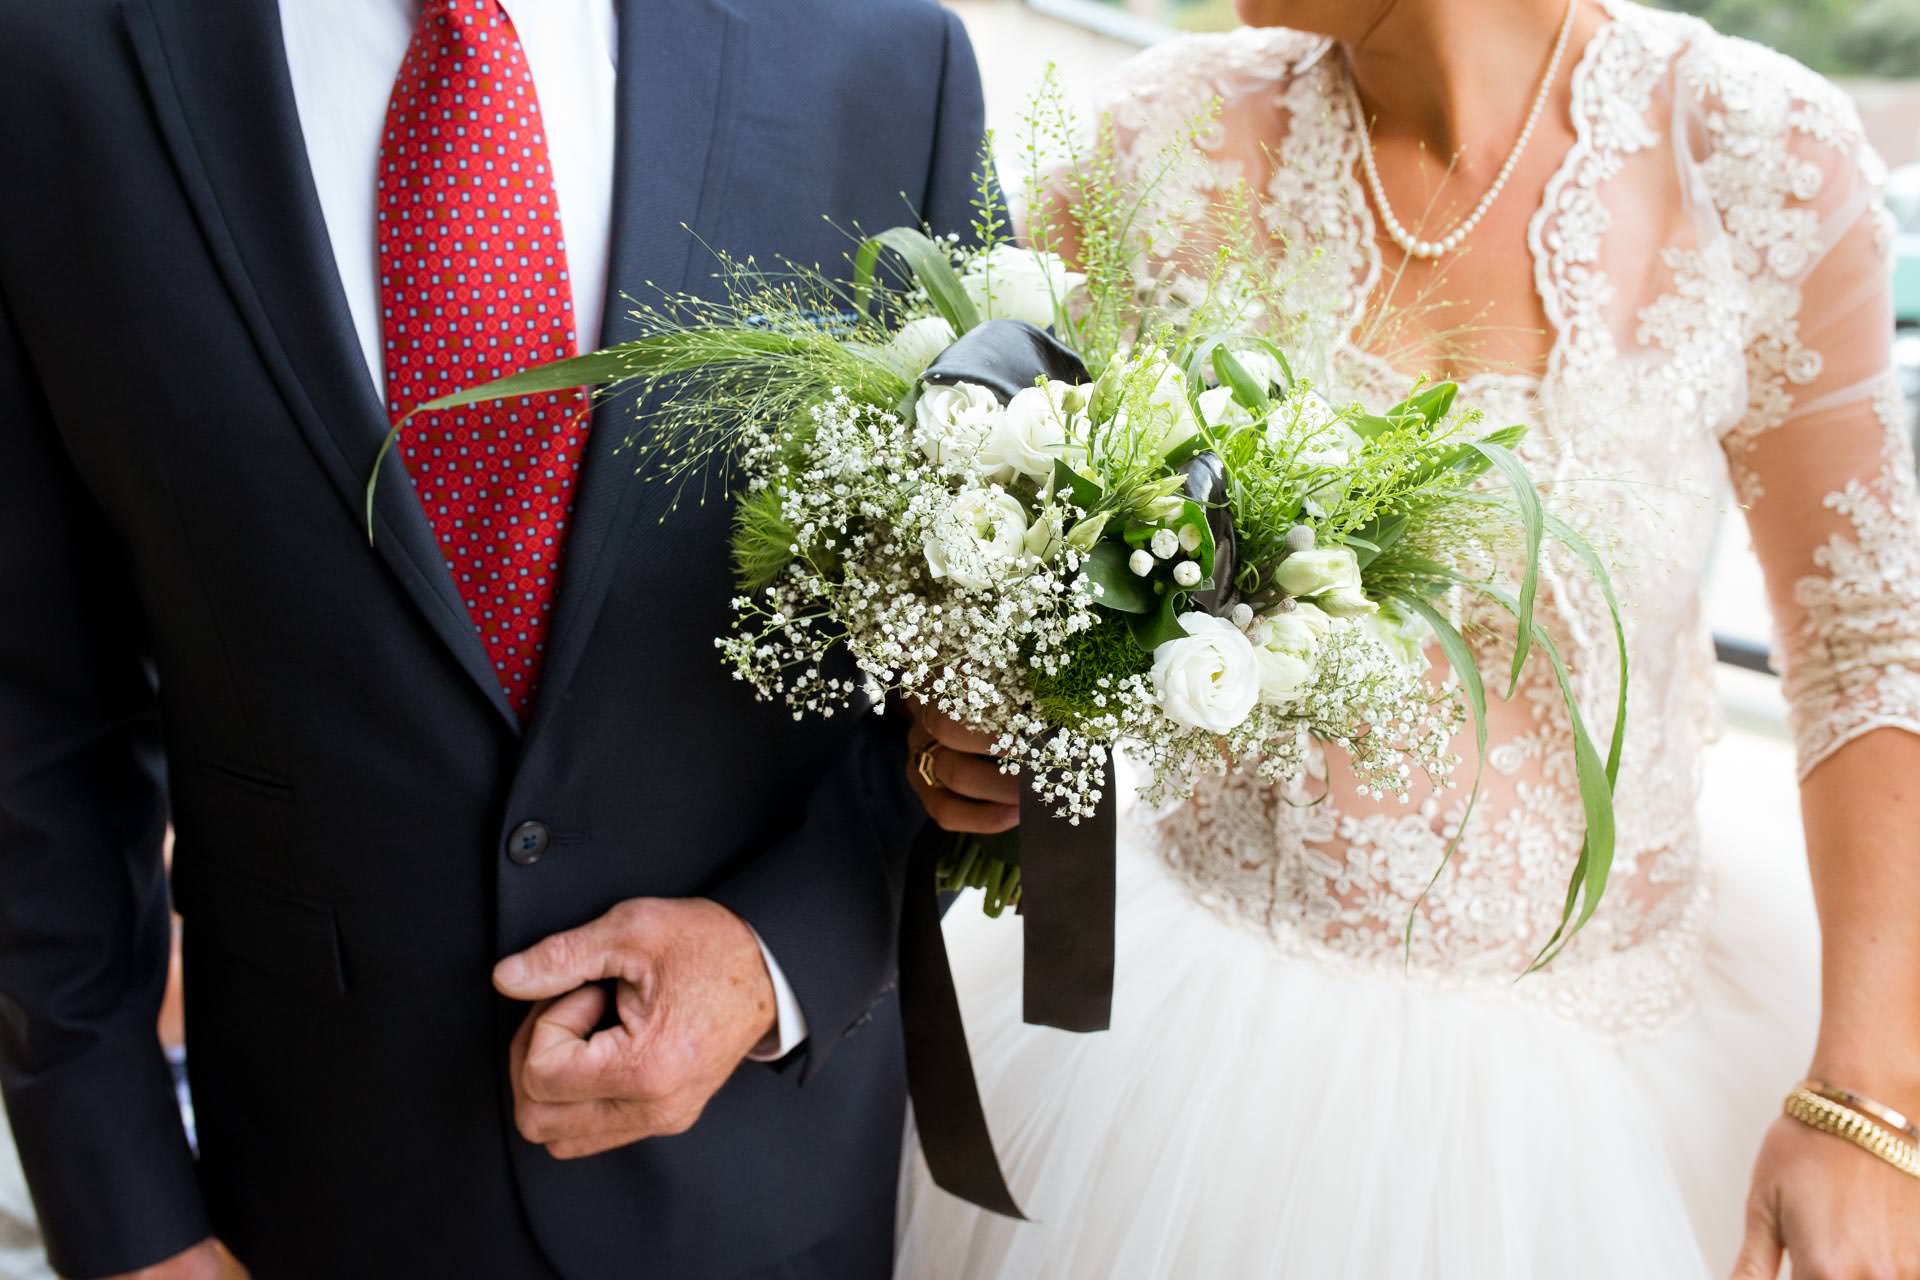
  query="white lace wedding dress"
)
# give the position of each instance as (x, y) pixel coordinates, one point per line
(1282, 1093)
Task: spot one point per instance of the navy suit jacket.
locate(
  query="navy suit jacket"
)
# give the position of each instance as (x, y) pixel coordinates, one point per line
(193, 628)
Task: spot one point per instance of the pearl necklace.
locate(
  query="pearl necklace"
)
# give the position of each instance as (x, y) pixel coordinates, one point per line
(1414, 247)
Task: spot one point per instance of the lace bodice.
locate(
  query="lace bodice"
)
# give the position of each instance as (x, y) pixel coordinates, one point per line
(1711, 256)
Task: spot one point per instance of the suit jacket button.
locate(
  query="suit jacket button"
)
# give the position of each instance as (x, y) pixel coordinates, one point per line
(528, 843)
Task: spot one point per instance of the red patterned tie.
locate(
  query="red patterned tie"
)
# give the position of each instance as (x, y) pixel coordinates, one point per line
(474, 286)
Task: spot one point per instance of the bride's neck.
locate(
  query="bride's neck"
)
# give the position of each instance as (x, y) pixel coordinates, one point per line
(1453, 75)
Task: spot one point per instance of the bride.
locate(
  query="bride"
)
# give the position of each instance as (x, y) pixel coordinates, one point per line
(1671, 252)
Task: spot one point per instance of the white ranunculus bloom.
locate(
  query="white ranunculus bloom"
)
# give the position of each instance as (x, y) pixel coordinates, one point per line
(1011, 283)
(916, 346)
(980, 534)
(1287, 645)
(1209, 678)
(1220, 409)
(1329, 576)
(952, 422)
(1036, 430)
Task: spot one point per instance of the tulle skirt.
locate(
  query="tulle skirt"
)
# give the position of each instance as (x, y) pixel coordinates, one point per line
(1257, 1114)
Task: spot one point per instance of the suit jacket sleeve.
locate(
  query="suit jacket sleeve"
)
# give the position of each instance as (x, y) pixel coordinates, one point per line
(84, 924)
(826, 900)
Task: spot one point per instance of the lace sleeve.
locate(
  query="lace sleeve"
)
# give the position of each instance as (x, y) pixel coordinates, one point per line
(1820, 459)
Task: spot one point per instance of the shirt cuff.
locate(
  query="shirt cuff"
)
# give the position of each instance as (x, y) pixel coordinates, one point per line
(790, 1024)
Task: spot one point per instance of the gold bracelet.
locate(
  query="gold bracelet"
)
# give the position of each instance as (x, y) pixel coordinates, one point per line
(1894, 1120)
(1829, 1117)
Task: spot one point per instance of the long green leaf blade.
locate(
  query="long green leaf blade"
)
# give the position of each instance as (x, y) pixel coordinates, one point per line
(1533, 519)
(930, 264)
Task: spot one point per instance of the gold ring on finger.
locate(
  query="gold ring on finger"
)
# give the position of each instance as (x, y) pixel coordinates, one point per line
(925, 766)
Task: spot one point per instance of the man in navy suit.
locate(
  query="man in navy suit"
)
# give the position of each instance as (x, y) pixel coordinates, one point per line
(519, 940)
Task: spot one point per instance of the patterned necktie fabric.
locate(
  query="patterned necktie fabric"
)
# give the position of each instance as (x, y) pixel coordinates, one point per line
(474, 286)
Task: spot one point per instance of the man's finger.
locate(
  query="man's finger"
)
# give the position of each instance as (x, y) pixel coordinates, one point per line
(567, 1060)
(557, 964)
(974, 777)
(951, 733)
(1760, 1251)
(957, 813)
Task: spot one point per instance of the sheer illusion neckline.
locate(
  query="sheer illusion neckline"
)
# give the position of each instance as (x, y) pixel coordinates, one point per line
(1519, 381)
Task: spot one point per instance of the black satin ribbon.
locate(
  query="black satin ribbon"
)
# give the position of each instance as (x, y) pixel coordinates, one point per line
(1067, 902)
(1066, 876)
(1006, 357)
(946, 1095)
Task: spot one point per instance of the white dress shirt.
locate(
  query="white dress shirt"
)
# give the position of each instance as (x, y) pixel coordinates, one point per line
(343, 56)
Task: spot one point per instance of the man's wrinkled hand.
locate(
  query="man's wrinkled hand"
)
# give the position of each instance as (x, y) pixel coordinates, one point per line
(968, 793)
(691, 997)
(204, 1261)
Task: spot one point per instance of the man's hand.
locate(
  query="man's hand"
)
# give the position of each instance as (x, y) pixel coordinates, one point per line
(972, 794)
(1835, 1209)
(204, 1261)
(692, 996)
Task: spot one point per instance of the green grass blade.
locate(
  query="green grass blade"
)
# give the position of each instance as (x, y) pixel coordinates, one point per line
(1460, 657)
(930, 264)
(1533, 519)
(1575, 542)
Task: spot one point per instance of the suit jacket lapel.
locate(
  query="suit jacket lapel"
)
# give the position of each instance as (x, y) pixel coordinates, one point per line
(217, 74)
(679, 68)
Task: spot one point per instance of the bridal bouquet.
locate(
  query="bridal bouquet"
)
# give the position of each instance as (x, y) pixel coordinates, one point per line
(950, 487)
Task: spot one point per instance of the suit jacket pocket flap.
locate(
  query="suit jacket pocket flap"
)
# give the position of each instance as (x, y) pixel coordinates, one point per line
(292, 937)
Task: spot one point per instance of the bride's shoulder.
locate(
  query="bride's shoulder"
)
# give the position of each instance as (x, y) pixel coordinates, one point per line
(1740, 91)
(1189, 71)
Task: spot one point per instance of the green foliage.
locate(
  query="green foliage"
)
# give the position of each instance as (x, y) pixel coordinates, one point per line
(1835, 37)
(762, 540)
(1107, 652)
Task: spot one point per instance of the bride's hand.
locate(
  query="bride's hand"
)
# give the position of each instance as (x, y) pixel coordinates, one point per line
(1838, 1211)
(960, 785)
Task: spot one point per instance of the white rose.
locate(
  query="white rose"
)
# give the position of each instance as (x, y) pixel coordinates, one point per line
(953, 422)
(1207, 679)
(916, 346)
(1287, 645)
(980, 534)
(1011, 283)
(1032, 433)
(1329, 576)
(1220, 409)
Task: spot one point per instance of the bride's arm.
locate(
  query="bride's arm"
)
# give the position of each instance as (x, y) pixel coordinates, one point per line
(1824, 466)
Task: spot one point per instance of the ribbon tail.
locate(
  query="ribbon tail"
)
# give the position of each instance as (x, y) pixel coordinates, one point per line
(1067, 898)
(954, 1136)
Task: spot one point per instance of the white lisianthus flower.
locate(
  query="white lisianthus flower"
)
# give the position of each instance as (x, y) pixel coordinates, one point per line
(1286, 644)
(1220, 409)
(1265, 369)
(1035, 431)
(1207, 679)
(1405, 640)
(1329, 576)
(916, 346)
(977, 538)
(1011, 283)
(952, 422)
(1146, 395)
